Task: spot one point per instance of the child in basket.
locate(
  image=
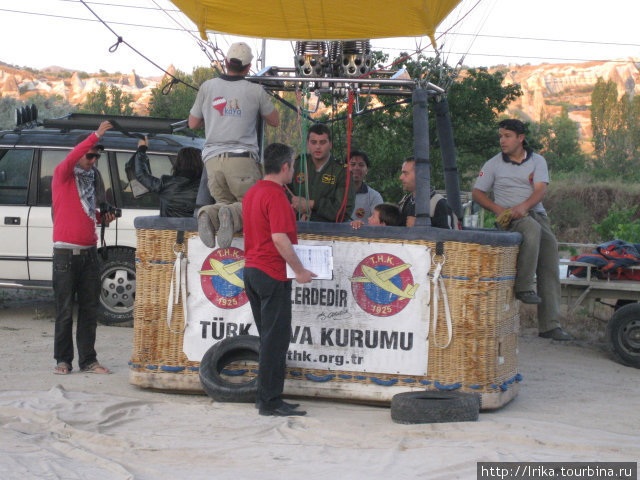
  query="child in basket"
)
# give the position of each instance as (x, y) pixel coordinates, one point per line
(384, 214)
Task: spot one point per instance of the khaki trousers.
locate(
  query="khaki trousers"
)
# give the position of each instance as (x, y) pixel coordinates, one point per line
(229, 179)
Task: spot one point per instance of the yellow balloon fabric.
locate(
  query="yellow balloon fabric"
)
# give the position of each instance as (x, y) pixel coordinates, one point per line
(318, 19)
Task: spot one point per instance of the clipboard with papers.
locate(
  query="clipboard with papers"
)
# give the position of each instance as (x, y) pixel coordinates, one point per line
(315, 258)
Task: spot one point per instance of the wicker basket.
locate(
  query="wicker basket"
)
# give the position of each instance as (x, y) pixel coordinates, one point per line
(482, 356)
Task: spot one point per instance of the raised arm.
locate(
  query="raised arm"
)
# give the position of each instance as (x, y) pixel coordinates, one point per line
(65, 168)
(273, 119)
(142, 169)
(195, 122)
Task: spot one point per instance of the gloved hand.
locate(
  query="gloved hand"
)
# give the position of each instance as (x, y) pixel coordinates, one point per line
(504, 219)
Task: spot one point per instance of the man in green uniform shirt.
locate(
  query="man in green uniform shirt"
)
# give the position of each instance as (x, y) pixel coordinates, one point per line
(319, 185)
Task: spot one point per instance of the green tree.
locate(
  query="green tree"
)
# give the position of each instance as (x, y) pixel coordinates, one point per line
(605, 115)
(619, 223)
(108, 101)
(120, 101)
(289, 131)
(199, 75)
(630, 106)
(558, 141)
(8, 106)
(48, 107)
(616, 131)
(475, 100)
(175, 102)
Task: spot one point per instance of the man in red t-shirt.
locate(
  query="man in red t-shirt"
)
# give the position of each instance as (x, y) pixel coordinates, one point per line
(269, 236)
(77, 193)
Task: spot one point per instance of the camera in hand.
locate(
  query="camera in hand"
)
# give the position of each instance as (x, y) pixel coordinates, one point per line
(106, 208)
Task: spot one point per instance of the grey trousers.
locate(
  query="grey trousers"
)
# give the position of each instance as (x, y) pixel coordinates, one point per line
(538, 263)
(270, 301)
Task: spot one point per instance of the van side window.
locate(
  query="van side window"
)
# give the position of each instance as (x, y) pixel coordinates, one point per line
(103, 167)
(50, 160)
(15, 167)
(159, 164)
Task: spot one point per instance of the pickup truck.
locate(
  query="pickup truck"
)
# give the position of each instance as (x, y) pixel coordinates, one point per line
(623, 328)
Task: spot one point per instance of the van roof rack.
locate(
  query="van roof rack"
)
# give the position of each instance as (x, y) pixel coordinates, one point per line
(125, 124)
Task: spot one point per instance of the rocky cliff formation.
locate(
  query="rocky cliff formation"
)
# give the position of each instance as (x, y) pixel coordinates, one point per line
(548, 87)
(22, 84)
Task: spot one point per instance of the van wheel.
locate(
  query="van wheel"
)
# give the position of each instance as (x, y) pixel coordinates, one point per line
(432, 406)
(227, 369)
(117, 287)
(623, 335)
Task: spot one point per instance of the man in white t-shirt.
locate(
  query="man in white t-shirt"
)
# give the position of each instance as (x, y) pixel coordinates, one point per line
(228, 107)
(518, 178)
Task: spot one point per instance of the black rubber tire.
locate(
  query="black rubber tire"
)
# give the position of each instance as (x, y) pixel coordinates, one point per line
(434, 407)
(117, 287)
(621, 303)
(223, 353)
(623, 335)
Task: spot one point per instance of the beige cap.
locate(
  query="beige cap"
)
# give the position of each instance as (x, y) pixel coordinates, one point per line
(241, 52)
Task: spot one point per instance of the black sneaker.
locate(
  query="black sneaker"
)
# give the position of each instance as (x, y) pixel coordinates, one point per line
(281, 411)
(529, 297)
(286, 404)
(557, 334)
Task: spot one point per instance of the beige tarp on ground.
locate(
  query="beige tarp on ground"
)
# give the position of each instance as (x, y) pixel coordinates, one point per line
(575, 404)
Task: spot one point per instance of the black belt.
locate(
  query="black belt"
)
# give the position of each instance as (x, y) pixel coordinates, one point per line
(74, 251)
(237, 154)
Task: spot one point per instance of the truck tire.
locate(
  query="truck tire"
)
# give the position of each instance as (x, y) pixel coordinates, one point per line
(432, 406)
(117, 287)
(218, 385)
(623, 335)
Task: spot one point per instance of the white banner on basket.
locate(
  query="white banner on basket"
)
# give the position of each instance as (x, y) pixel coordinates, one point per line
(372, 317)
(217, 305)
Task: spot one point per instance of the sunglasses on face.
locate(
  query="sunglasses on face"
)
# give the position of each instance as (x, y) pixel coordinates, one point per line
(91, 156)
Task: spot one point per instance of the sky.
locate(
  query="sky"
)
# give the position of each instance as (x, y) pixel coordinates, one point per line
(65, 33)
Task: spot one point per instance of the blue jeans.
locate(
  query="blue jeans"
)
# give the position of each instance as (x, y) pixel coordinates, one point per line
(76, 275)
(270, 301)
